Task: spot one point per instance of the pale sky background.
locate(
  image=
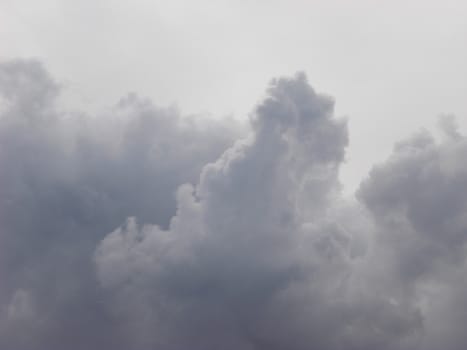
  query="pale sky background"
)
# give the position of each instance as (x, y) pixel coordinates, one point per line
(392, 66)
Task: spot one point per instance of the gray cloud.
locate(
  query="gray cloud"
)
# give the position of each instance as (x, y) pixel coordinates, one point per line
(231, 239)
(261, 253)
(65, 180)
(417, 197)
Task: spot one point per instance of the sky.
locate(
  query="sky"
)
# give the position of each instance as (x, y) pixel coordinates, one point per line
(233, 175)
(405, 59)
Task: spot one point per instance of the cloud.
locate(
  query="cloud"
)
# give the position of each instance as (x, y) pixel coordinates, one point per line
(141, 229)
(417, 197)
(261, 253)
(66, 179)
(235, 246)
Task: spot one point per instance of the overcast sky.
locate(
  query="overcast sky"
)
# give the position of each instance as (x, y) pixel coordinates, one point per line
(392, 66)
(171, 175)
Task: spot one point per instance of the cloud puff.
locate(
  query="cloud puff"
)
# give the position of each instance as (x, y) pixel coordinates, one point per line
(236, 244)
(231, 239)
(417, 198)
(66, 179)
(263, 253)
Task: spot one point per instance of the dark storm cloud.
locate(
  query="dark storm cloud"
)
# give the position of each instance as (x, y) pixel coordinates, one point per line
(232, 240)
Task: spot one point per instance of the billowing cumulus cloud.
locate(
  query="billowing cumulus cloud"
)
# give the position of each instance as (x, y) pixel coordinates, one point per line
(141, 229)
(67, 179)
(418, 199)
